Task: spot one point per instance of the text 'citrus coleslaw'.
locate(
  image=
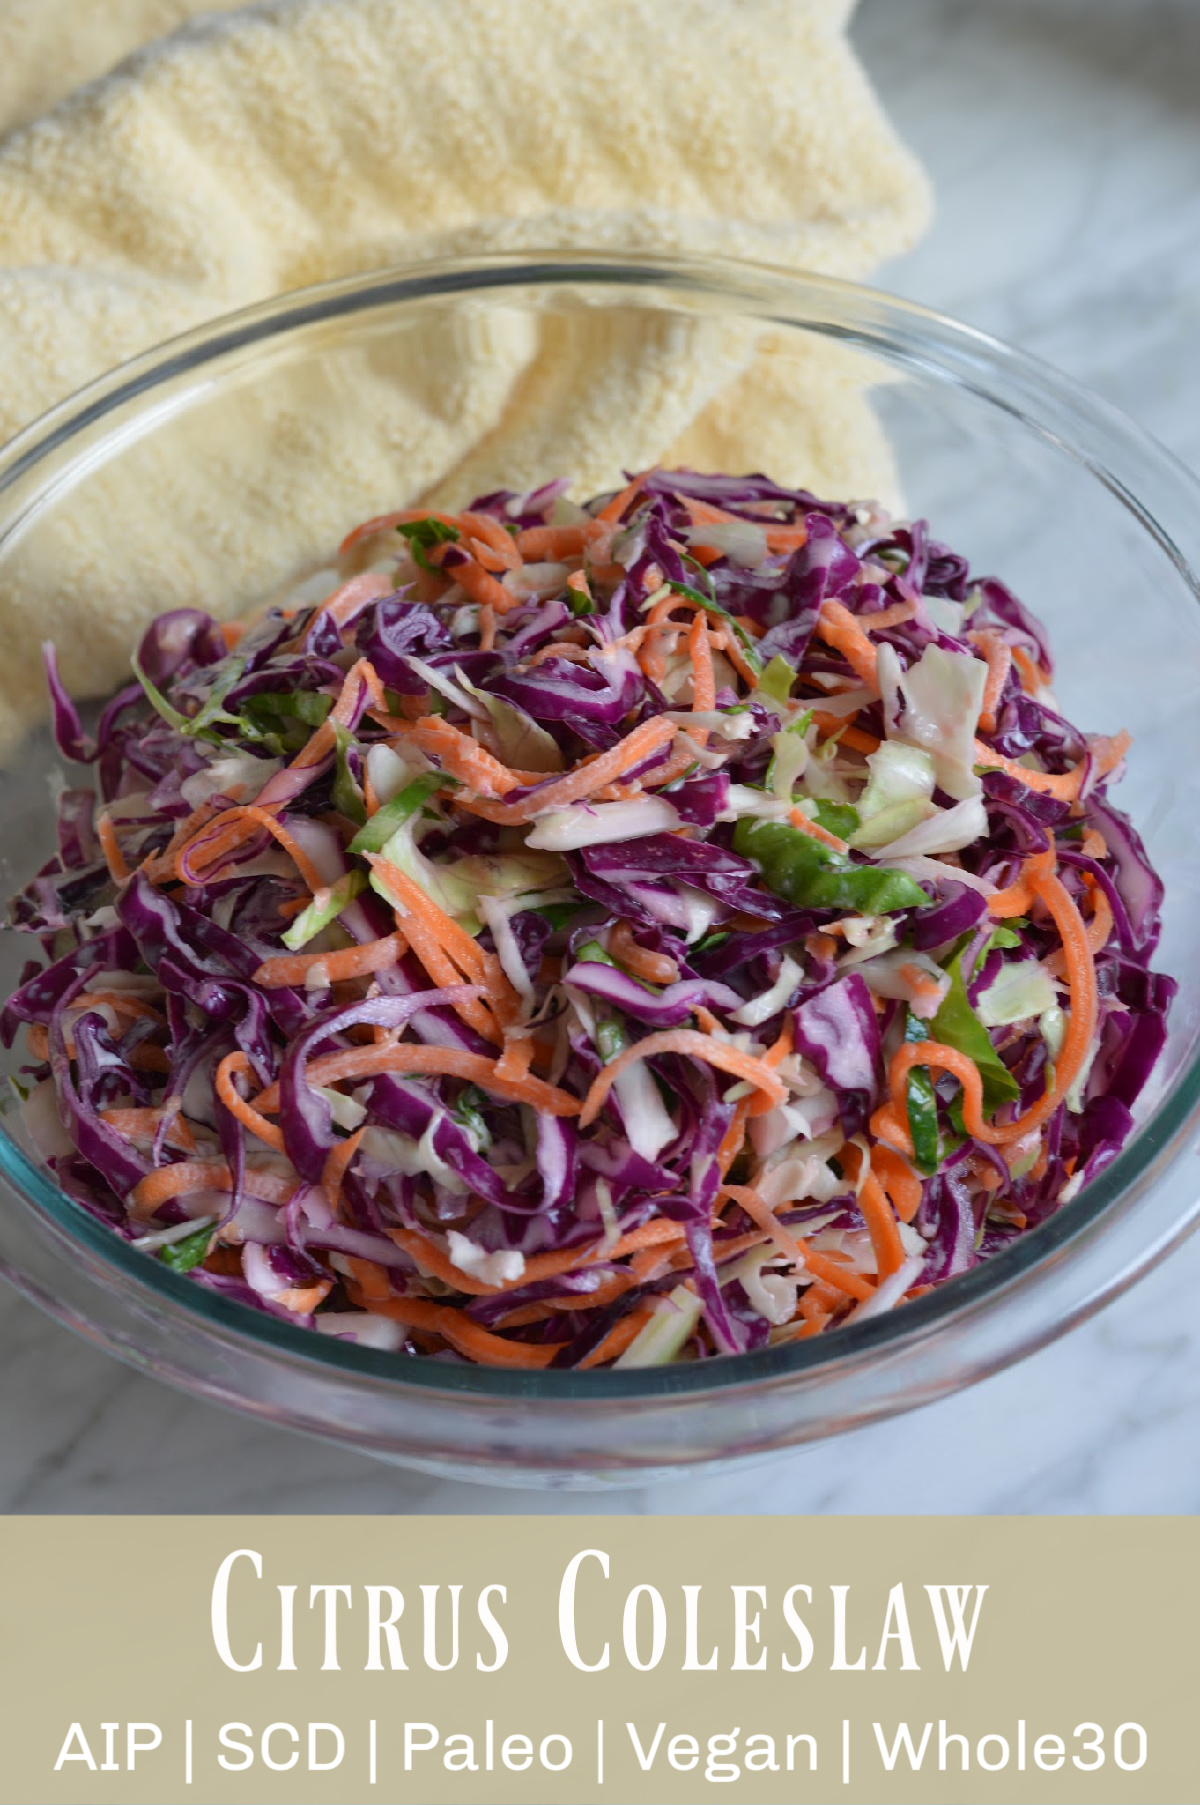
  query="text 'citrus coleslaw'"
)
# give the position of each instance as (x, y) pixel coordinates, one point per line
(584, 936)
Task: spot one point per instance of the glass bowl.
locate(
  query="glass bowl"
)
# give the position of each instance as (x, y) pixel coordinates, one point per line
(1092, 523)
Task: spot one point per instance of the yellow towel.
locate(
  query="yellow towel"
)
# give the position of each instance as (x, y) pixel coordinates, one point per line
(257, 150)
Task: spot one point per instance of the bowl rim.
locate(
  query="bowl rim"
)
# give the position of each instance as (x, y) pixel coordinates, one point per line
(1051, 404)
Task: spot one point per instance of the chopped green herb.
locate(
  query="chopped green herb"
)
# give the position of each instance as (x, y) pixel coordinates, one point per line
(282, 721)
(319, 913)
(181, 1256)
(839, 818)
(384, 822)
(921, 1104)
(957, 1025)
(347, 797)
(776, 681)
(423, 535)
(211, 713)
(468, 1110)
(559, 914)
(158, 701)
(592, 953)
(813, 876)
(611, 1039)
(999, 938)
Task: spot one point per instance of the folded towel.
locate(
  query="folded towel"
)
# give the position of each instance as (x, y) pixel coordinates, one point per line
(290, 142)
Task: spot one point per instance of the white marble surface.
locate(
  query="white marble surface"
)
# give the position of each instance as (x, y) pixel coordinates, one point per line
(1064, 139)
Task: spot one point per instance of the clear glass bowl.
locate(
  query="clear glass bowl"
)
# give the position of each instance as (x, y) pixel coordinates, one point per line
(1093, 524)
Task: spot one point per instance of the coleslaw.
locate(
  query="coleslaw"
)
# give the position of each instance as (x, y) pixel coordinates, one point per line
(591, 936)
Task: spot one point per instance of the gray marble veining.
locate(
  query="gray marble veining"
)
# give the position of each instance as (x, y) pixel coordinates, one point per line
(1064, 140)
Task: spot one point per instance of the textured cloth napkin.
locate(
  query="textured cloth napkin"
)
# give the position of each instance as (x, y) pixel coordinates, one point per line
(258, 149)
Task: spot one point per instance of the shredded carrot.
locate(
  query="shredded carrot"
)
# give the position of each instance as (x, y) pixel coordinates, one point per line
(337, 1163)
(516, 1058)
(355, 594)
(487, 626)
(843, 632)
(344, 709)
(491, 557)
(815, 831)
(430, 1254)
(999, 660)
(434, 938)
(881, 1226)
(133, 1008)
(782, 1045)
(889, 1123)
(985, 1175)
(660, 613)
(468, 761)
(448, 1062)
(568, 649)
(466, 954)
(680, 762)
(114, 858)
(619, 1337)
(899, 1180)
(237, 1105)
(374, 1281)
(813, 1314)
(659, 1233)
(144, 1124)
(1099, 929)
(471, 576)
(144, 1058)
(651, 1263)
(780, 535)
(655, 968)
(798, 1251)
(613, 510)
(728, 643)
(607, 1290)
(231, 632)
(287, 969)
(689, 1042)
(443, 973)
(834, 727)
(464, 1336)
(1017, 899)
(882, 618)
(486, 530)
(166, 1182)
(552, 544)
(1106, 754)
(734, 1138)
(236, 826)
(1033, 678)
(592, 775)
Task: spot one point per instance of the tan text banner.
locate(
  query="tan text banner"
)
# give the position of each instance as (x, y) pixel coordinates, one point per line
(875, 1661)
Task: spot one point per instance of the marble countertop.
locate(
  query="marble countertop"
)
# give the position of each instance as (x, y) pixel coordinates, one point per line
(1064, 141)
